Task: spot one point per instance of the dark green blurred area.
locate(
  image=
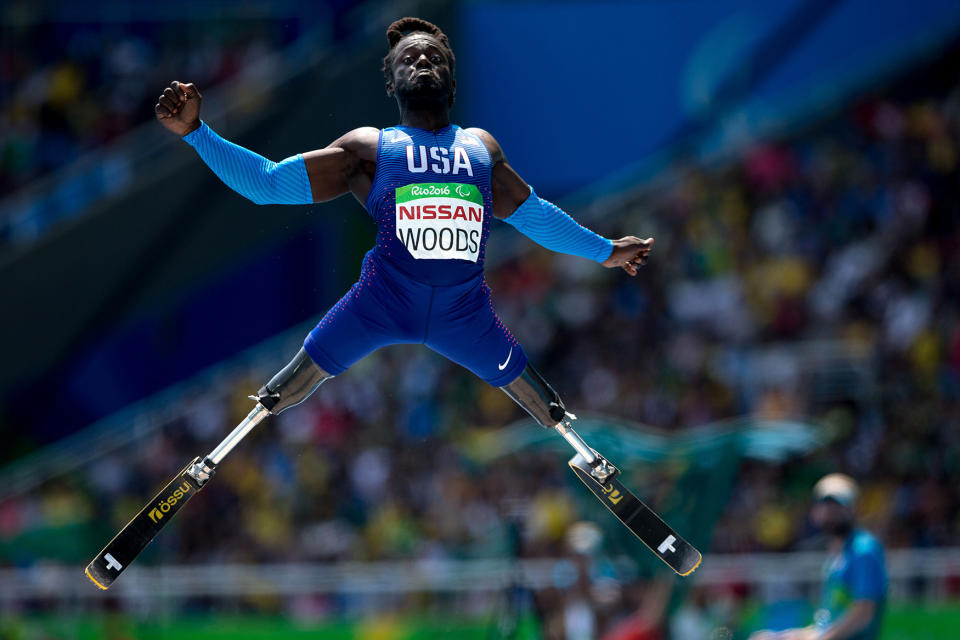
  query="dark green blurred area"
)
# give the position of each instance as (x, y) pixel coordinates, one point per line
(902, 623)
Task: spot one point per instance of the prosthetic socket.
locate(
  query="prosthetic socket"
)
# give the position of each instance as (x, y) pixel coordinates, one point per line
(300, 378)
(292, 385)
(537, 397)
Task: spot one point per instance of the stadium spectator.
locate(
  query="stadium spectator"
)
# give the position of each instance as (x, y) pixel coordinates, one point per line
(855, 591)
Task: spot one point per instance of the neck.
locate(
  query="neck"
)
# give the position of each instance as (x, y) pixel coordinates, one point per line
(837, 539)
(426, 117)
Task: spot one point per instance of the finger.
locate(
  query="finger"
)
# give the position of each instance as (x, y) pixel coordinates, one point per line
(630, 268)
(178, 90)
(190, 90)
(164, 105)
(169, 99)
(161, 111)
(169, 103)
(174, 95)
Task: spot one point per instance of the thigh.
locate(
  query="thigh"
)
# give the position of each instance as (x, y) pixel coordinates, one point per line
(371, 315)
(466, 329)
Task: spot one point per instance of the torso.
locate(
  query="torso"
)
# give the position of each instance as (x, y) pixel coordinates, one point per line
(430, 196)
(838, 593)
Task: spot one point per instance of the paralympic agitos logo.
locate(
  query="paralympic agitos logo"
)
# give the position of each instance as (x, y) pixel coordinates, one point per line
(167, 503)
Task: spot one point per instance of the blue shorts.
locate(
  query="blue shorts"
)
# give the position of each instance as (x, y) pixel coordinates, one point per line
(386, 307)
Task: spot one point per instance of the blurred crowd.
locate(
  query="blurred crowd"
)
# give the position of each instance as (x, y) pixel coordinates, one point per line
(815, 277)
(73, 86)
(68, 88)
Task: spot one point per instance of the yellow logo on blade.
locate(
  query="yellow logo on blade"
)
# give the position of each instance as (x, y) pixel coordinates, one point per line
(167, 503)
(613, 495)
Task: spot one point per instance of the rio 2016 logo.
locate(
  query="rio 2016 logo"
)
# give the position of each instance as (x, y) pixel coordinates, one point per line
(613, 495)
(463, 193)
(430, 190)
(167, 503)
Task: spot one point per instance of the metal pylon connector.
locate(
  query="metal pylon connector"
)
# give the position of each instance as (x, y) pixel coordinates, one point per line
(602, 470)
(201, 470)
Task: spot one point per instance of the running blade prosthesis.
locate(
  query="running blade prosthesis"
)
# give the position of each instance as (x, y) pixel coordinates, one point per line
(666, 543)
(144, 527)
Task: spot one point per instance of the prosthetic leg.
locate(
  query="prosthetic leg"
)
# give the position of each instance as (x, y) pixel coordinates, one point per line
(291, 386)
(296, 381)
(539, 399)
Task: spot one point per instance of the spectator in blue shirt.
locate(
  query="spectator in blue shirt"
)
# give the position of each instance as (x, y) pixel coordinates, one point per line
(854, 592)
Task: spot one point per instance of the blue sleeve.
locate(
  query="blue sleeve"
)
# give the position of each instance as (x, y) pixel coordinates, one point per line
(867, 574)
(250, 174)
(549, 226)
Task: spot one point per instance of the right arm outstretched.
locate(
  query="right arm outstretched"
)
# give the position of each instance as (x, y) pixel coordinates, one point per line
(315, 176)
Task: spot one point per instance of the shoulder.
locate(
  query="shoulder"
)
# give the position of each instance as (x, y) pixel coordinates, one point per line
(361, 142)
(496, 153)
(358, 138)
(865, 543)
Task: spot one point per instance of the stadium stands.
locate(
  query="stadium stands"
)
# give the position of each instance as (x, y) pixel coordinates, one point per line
(815, 276)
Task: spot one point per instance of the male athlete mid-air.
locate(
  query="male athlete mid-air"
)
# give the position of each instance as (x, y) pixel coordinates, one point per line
(432, 188)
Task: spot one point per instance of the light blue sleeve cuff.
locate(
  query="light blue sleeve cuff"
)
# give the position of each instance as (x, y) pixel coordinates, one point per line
(250, 174)
(550, 226)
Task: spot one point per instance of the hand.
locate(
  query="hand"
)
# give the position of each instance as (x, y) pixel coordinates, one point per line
(178, 108)
(629, 253)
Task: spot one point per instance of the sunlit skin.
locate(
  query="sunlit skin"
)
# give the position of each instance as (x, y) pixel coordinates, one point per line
(423, 84)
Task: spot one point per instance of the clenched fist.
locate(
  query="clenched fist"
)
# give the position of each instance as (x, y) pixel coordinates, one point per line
(178, 108)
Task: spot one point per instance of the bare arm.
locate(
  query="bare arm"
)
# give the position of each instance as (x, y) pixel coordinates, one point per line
(857, 617)
(346, 164)
(509, 189)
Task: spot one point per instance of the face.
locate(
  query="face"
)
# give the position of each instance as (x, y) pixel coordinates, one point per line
(421, 71)
(832, 517)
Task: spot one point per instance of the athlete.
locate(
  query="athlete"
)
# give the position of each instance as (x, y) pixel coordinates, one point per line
(432, 188)
(854, 593)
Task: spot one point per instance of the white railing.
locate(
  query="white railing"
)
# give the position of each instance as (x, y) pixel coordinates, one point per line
(930, 569)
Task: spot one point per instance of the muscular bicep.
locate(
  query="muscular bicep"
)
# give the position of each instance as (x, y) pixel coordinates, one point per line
(345, 165)
(509, 189)
(329, 171)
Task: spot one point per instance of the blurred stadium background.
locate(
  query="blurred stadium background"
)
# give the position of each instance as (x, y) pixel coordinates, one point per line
(797, 163)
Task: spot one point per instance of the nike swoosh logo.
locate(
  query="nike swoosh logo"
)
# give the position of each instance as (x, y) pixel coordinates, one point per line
(504, 365)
